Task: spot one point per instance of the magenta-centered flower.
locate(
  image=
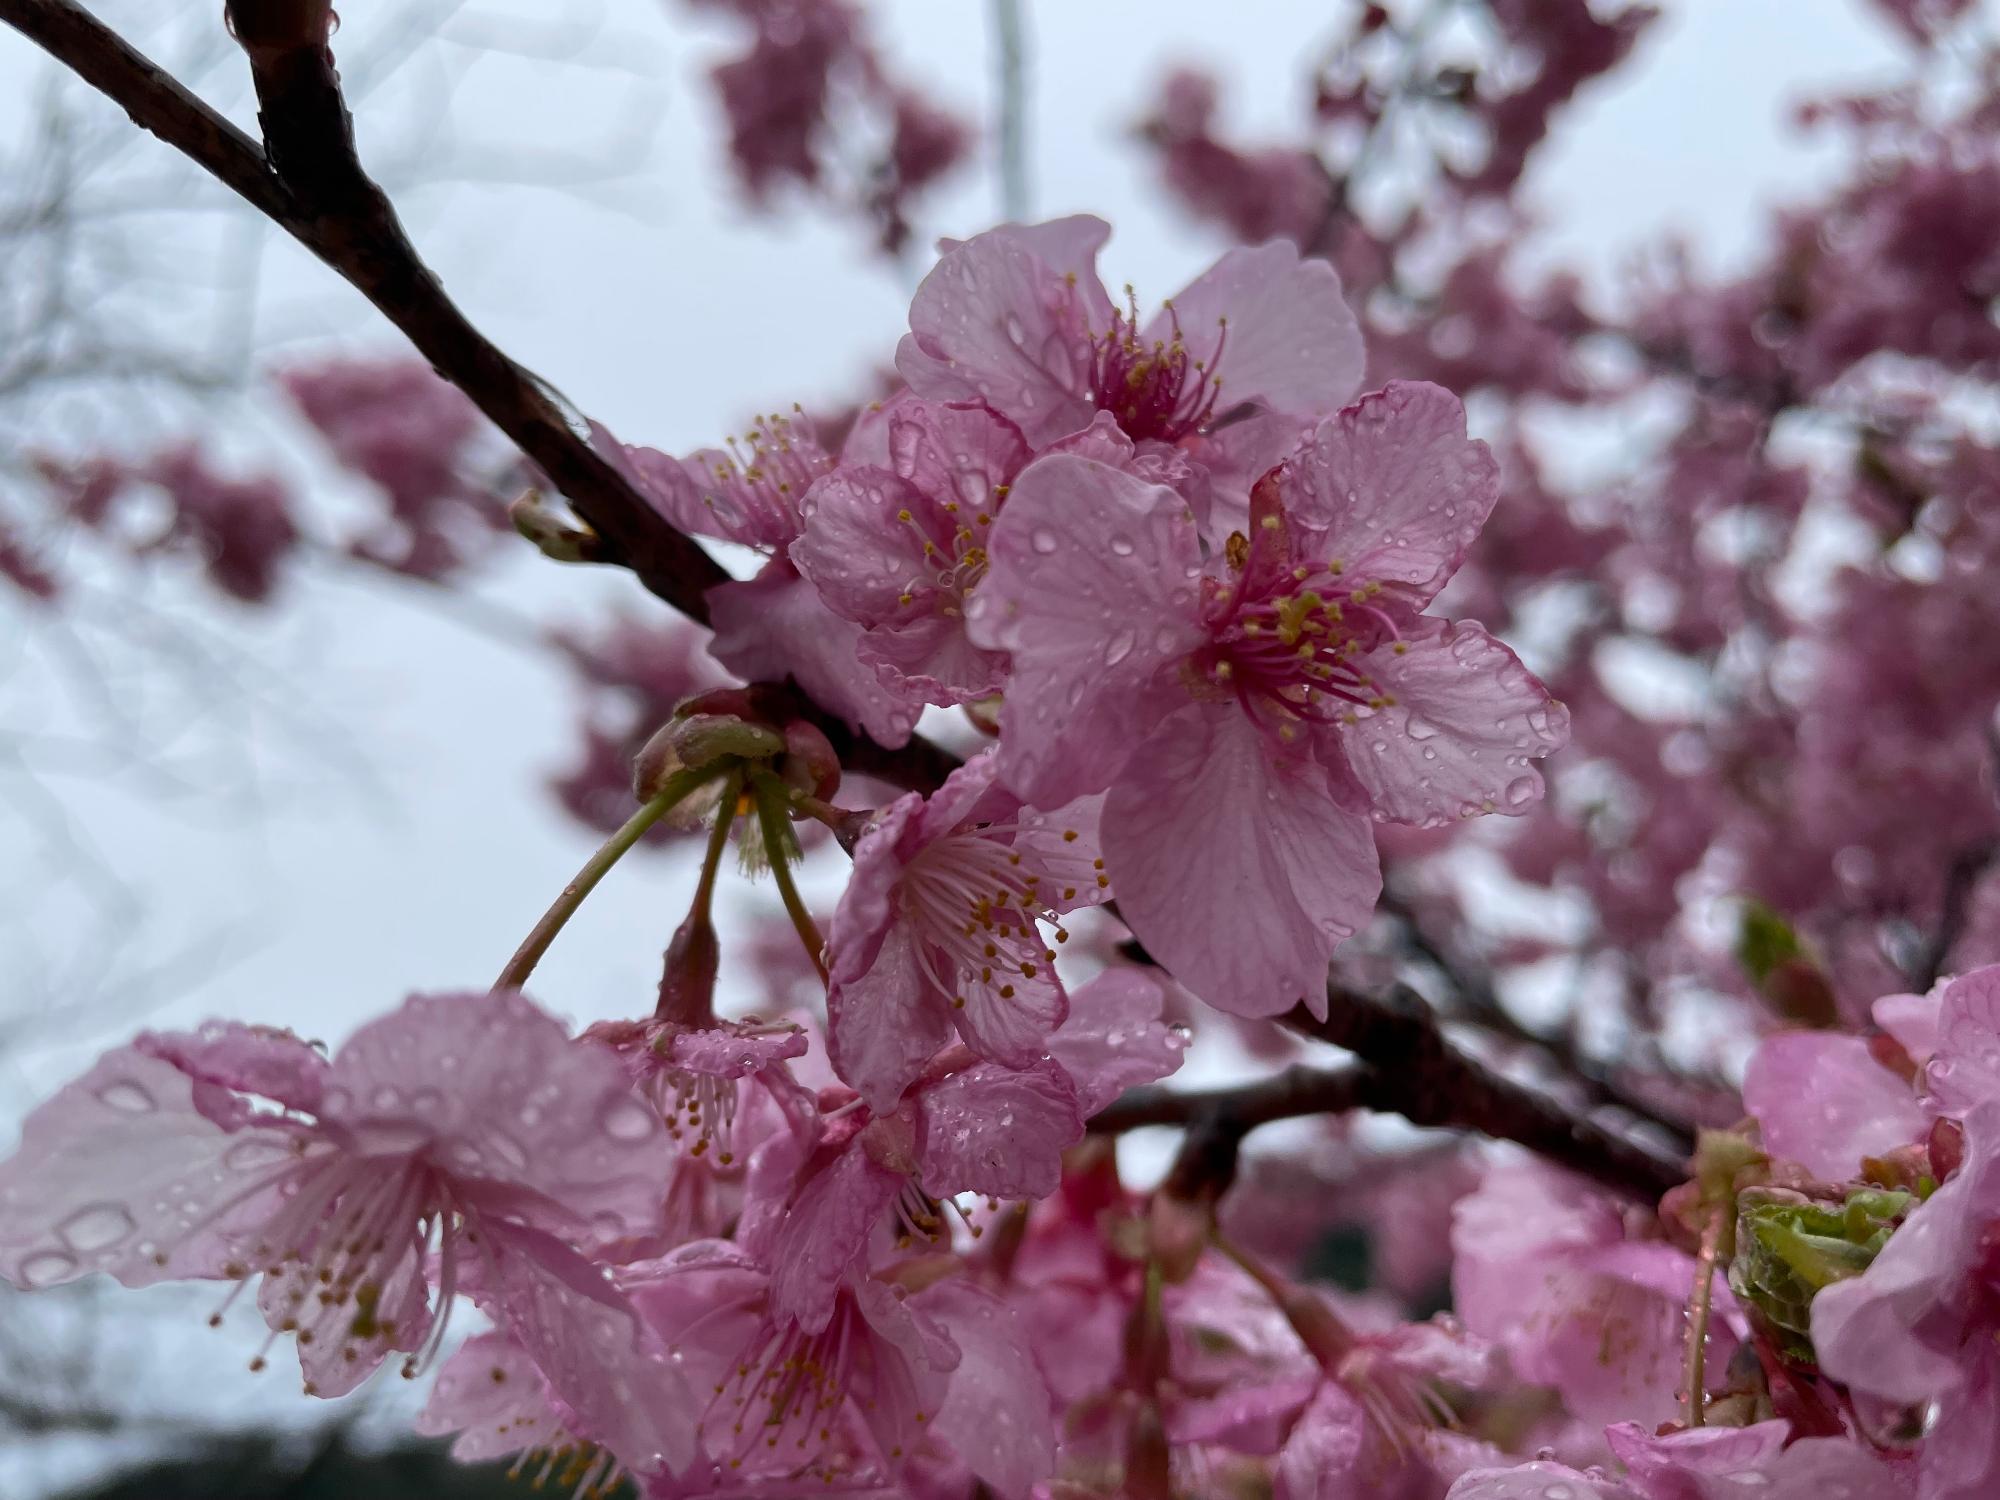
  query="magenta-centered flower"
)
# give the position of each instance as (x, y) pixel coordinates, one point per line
(1017, 319)
(464, 1130)
(1250, 710)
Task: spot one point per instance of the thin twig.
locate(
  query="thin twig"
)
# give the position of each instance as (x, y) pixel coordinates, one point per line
(308, 179)
(1010, 86)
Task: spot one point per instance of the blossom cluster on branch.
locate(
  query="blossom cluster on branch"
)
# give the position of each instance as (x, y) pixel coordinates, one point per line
(1200, 575)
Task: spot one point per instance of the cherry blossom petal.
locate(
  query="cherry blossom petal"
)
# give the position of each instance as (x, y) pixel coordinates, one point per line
(733, 1051)
(491, 1395)
(613, 1380)
(903, 1373)
(1091, 588)
(1064, 846)
(1875, 1331)
(862, 559)
(1114, 1038)
(497, 1094)
(826, 1234)
(1329, 1454)
(227, 1059)
(1236, 870)
(993, 322)
(776, 625)
(1912, 1020)
(1290, 342)
(121, 1173)
(883, 1025)
(992, 1130)
(1464, 723)
(1964, 1072)
(1823, 1101)
(952, 453)
(1541, 1480)
(1392, 488)
(996, 1415)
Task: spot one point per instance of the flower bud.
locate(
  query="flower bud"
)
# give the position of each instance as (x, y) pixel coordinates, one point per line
(687, 976)
(688, 743)
(809, 762)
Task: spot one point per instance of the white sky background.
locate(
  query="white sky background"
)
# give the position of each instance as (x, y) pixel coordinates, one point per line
(671, 318)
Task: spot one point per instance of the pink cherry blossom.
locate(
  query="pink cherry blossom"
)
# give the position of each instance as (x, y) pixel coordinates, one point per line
(937, 930)
(1017, 319)
(1545, 1269)
(1248, 712)
(466, 1128)
(1824, 1102)
(898, 550)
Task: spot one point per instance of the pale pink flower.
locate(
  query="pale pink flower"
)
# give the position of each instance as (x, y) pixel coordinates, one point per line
(1705, 1463)
(1963, 1071)
(493, 1403)
(467, 1129)
(898, 549)
(775, 624)
(722, 1091)
(1016, 318)
(1249, 711)
(1545, 1269)
(938, 930)
(847, 1401)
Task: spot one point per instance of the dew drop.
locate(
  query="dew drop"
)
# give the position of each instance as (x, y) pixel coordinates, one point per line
(1520, 791)
(1119, 647)
(247, 1156)
(95, 1228)
(1044, 540)
(127, 1097)
(627, 1120)
(1420, 729)
(46, 1269)
(1121, 545)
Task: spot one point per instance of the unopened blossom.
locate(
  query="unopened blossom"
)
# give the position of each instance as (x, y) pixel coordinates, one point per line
(464, 1130)
(1017, 319)
(1248, 712)
(939, 929)
(898, 549)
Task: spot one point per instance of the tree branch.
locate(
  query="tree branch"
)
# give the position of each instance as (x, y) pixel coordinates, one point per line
(1413, 1070)
(308, 179)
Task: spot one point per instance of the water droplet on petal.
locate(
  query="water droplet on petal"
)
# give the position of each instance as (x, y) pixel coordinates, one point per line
(1044, 540)
(46, 1269)
(127, 1097)
(627, 1120)
(96, 1228)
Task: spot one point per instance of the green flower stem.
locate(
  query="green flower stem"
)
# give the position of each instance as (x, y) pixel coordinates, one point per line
(677, 789)
(772, 797)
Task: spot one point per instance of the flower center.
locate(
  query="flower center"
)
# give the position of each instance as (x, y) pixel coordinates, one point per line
(1155, 389)
(756, 486)
(976, 908)
(786, 1393)
(957, 561)
(1286, 646)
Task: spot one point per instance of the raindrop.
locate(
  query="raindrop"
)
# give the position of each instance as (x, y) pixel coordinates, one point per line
(1122, 545)
(1119, 647)
(46, 1269)
(1420, 729)
(1044, 540)
(127, 1097)
(627, 1120)
(95, 1228)
(1520, 791)
(247, 1156)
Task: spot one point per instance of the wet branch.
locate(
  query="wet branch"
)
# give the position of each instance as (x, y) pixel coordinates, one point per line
(307, 178)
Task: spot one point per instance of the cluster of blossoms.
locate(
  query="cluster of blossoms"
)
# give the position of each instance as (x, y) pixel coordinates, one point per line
(1192, 573)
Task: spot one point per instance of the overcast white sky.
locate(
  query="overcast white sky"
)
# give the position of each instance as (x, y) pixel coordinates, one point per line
(670, 317)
